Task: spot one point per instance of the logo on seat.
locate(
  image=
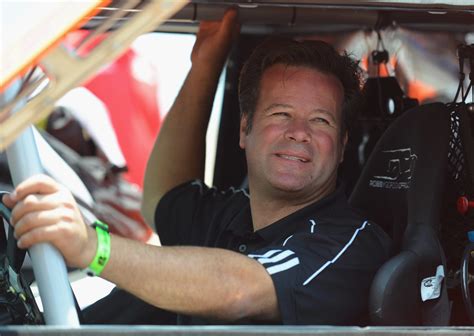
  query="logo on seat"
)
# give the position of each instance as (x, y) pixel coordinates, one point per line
(394, 169)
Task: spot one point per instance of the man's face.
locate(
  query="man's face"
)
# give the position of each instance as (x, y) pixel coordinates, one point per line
(295, 146)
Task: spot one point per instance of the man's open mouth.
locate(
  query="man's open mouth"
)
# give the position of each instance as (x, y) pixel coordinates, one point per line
(293, 158)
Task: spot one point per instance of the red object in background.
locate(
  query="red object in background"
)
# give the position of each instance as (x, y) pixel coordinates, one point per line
(463, 205)
(131, 101)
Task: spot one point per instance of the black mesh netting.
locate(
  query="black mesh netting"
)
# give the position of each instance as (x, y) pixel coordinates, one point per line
(455, 154)
(454, 225)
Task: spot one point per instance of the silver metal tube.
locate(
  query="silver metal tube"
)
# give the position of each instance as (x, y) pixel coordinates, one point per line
(48, 264)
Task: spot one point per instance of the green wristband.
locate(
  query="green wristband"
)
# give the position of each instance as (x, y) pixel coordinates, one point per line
(103, 249)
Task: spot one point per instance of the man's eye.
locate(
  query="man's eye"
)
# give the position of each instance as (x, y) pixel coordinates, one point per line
(321, 120)
(280, 114)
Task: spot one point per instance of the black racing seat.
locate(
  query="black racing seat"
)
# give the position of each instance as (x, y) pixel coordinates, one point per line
(401, 189)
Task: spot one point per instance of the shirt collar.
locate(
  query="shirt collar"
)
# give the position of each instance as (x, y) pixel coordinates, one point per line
(242, 225)
(300, 219)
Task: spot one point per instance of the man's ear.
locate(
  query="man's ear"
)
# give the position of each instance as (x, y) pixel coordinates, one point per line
(343, 147)
(242, 132)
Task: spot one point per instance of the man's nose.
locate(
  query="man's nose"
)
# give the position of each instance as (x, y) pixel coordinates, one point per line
(298, 130)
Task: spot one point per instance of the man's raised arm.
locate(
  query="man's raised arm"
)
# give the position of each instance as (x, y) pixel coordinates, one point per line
(179, 151)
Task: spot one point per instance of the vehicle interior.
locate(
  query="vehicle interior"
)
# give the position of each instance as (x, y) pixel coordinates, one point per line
(408, 165)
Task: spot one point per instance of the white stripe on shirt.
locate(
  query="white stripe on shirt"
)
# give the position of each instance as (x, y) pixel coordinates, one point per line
(277, 258)
(286, 240)
(266, 255)
(284, 266)
(315, 274)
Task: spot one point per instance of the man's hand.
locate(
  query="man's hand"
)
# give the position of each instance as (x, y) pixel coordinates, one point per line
(214, 39)
(46, 212)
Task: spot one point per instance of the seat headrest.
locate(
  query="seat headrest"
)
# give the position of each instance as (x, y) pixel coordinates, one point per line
(403, 178)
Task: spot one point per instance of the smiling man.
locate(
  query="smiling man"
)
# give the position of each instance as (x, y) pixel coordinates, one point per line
(292, 251)
(294, 145)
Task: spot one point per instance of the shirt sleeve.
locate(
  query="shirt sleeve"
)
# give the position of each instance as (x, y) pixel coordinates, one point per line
(319, 280)
(189, 213)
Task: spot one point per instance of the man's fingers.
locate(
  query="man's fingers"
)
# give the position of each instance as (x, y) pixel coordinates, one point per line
(230, 18)
(229, 29)
(42, 234)
(226, 25)
(37, 184)
(33, 203)
(33, 220)
(8, 200)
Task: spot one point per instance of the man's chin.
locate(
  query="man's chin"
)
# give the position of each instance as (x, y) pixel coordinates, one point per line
(289, 187)
(298, 189)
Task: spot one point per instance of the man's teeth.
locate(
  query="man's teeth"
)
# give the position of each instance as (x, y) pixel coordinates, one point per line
(294, 158)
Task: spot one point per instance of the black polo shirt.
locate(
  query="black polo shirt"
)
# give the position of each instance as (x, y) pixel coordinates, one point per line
(322, 258)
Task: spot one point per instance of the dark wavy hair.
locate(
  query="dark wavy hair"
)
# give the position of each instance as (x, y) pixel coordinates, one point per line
(313, 54)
